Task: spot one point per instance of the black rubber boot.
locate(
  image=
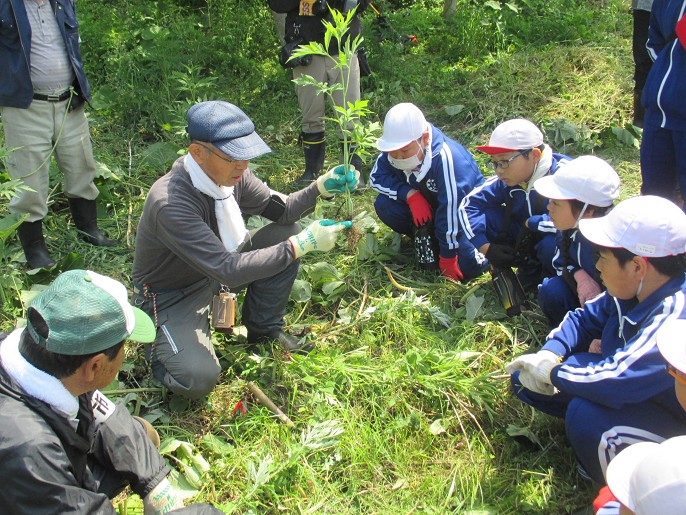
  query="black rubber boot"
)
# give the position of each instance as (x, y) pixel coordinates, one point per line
(33, 243)
(85, 214)
(356, 161)
(314, 147)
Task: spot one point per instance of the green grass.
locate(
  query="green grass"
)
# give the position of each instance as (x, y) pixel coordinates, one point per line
(403, 407)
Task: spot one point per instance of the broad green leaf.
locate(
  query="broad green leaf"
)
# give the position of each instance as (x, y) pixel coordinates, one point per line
(493, 5)
(625, 137)
(9, 224)
(301, 291)
(454, 109)
(216, 445)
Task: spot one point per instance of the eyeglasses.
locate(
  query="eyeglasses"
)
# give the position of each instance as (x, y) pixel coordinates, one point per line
(505, 164)
(676, 374)
(227, 159)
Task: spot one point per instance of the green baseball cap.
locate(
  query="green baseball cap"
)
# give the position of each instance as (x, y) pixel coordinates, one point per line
(85, 313)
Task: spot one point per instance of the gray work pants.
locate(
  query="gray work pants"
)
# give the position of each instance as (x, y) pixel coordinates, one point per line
(183, 357)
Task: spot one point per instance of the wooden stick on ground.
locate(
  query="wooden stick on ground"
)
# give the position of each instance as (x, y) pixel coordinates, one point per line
(263, 399)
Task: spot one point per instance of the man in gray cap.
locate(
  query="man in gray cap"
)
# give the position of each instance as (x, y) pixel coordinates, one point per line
(192, 243)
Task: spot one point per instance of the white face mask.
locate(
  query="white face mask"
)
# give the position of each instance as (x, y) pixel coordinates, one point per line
(409, 163)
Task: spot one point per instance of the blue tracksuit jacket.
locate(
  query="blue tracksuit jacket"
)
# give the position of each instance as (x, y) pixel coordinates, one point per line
(630, 369)
(555, 296)
(452, 175)
(665, 88)
(482, 210)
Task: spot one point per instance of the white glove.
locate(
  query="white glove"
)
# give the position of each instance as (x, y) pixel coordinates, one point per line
(586, 287)
(318, 236)
(161, 499)
(535, 371)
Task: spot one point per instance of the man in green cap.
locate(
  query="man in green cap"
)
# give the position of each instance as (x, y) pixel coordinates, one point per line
(65, 447)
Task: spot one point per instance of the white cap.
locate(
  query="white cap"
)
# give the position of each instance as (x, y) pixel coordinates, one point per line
(671, 340)
(588, 179)
(650, 478)
(404, 123)
(647, 226)
(513, 135)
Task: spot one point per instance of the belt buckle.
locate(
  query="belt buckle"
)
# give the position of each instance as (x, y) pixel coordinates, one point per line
(53, 98)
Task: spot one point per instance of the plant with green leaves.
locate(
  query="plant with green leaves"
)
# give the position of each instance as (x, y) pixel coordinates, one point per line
(357, 137)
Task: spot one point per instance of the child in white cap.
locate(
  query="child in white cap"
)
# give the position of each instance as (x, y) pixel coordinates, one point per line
(585, 187)
(649, 478)
(421, 176)
(506, 209)
(624, 395)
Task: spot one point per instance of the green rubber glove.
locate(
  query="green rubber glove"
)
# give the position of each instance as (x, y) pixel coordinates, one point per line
(337, 180)
(318, 236)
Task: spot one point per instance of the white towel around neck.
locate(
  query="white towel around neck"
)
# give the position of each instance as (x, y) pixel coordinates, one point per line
(232, 230)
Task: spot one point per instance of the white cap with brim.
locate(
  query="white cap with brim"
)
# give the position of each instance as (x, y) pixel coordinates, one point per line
(647, 226)
(588, 179)
(671, 340)
(513, 135)
(404, 123)
(650, 478)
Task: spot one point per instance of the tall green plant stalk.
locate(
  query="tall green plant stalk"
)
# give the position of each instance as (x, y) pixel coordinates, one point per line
(348, 117)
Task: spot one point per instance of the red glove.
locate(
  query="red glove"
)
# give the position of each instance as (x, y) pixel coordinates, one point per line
(604, 496)
(450, 268)
(681, 31)
(421, 209)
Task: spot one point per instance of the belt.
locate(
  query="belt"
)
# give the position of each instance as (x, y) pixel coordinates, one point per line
(52, 98)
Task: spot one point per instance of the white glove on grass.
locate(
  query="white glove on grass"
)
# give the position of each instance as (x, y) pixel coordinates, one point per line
(535, 371)
(318, 236)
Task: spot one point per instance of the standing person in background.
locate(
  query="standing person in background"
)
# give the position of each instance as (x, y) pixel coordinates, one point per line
(663, 146)
(584, 187)
(422, 176)
(304, 25)
(624, 394)
(640, 10)
(504, 218)
(43, 89)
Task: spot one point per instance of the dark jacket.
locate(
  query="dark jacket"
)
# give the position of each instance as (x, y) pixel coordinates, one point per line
(47, 466)
(16, 89)
(311, 28)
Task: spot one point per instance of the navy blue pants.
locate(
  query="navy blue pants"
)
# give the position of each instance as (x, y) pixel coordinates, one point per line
(556, 299)
(663, 162)
(396, 214)
(597, 433)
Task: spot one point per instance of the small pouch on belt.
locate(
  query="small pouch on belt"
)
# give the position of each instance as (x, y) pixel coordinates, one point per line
(224, 311)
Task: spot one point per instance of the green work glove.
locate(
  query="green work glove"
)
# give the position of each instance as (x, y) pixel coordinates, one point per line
(318, 236)
(337, 180)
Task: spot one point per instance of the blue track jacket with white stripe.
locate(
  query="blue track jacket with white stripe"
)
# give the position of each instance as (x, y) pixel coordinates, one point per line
(452, 175)
(527, 205)
(581, 254)
(664, 94)
(630, 368)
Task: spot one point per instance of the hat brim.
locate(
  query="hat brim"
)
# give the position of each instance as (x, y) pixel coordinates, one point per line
(144, 329)
(596, 231)
(244, 148)
(389, 146)
(547, 187)
(621, 468)
(670, 342)
(496, 150)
